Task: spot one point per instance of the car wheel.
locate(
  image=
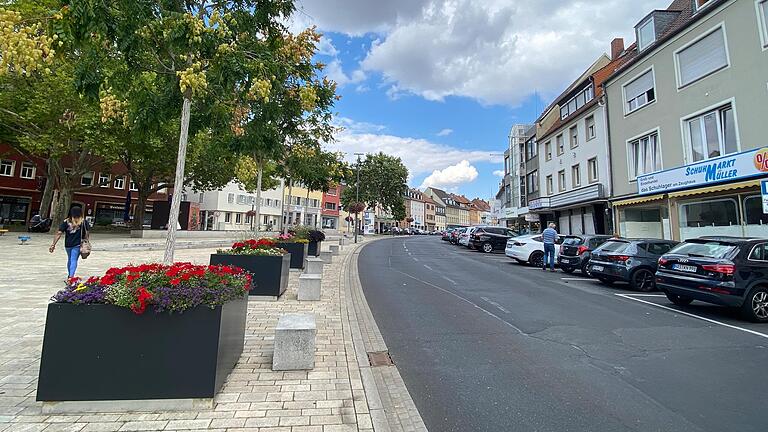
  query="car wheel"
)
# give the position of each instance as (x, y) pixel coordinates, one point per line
(643, 280)
(536, 259)
(568, 270)
(585, 269)
(755, 307)
(606, 281)
(679, 300)
(487, 247)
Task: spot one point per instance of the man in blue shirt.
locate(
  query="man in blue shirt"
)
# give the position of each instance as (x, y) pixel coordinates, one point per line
(549, 236)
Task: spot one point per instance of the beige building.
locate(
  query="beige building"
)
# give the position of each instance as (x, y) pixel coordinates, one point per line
(455, 214)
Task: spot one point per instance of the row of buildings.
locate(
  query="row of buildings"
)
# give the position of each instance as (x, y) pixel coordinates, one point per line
(665, 138)
(435, 210)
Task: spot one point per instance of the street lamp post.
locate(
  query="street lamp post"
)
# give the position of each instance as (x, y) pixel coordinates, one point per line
(357, 193)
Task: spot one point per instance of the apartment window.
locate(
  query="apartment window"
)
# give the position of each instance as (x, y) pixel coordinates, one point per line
(87, 179)
(315, 203)
(200, 197)
(248, 219)
(574, 136)
(576, 175)
(103, 180)
(531, 149)
(533, 182)
(762, 9)
(298, 200)
(578, 101)
(238, 218)
(590, 127)
(330, 206)
(132, 186)
(242, 199)
(700, 4)
(277, 203)
(592, 170)
(227, 217)
(331, 192)
(639, 93)
(702, 58)
(644, 155)
(712, 134)
(561, 180)
(646, 34)
(506, 165)
(548, 150)
(550, 185)
(560, 145)
(27, 170)
(7, 167)
(119, 182)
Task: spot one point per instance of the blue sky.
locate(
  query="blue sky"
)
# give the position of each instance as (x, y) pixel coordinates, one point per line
(440, 83)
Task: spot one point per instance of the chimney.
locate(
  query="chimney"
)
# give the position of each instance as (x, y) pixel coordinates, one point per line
(617, 47)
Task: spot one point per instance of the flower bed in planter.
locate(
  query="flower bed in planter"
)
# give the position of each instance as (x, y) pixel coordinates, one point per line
(144, 333)
(297, 247)
(267, 265)
(315, 237)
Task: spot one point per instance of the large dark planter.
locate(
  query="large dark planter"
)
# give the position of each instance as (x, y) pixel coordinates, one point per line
(102, 352)
(298, 253)
(314, 248)
(269, 273)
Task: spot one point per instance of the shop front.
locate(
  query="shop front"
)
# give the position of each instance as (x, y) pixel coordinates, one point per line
(581, 211)
(718, 197)
(14, 209)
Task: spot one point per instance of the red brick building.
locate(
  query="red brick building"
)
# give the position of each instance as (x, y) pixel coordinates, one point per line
(330, 208)
(22, 181)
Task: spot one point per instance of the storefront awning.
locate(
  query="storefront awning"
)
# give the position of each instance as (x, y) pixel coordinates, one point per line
(637, 200)
(718, 188)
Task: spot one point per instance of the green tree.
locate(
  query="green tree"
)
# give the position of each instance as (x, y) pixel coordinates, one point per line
(383, 182)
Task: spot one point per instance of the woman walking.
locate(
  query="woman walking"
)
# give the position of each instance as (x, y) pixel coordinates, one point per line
(75, 229)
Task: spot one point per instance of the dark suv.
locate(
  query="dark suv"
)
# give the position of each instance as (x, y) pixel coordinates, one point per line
(629, 260)
(576, 251)
(489, 239)
(729, 271)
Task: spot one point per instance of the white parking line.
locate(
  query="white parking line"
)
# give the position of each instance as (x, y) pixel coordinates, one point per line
(498, 306)
(745, 330)
(449, 280)
(428, 267)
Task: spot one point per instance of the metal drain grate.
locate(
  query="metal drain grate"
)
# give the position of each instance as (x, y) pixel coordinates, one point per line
(380, 358)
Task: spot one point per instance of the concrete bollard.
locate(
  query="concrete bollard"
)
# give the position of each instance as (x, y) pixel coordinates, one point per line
(314, 266)
(334, 249)
(342, 241)
(295, 342)
(309, 287)
(326, 256)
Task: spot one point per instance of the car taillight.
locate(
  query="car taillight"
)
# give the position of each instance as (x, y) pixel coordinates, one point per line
(663, 261)
(582, 249)
(619, 258)
(725, 269)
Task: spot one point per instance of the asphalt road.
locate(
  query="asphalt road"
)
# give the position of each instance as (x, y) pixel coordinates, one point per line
(485, 344)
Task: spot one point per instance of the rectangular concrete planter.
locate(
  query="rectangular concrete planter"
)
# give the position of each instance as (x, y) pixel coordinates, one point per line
(269, 273)
(298, 253)
(113, 358)
(314, 248)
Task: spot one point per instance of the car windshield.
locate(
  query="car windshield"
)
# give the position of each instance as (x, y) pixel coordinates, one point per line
(712, 249)
(615, 247)
(573, 241)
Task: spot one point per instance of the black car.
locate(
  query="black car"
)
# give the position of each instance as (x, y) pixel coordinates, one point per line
(489, 239)
(576, 251)
(728, 271)
(629, 260)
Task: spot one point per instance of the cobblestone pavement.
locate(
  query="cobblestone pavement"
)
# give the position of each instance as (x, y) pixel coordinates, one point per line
(330, 398)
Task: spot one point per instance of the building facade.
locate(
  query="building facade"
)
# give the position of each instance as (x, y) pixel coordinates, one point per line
(233, 209)
(514, 204)
(430, 213)
(302, 207)
(456, 216)
(330, 208)
(687, 122)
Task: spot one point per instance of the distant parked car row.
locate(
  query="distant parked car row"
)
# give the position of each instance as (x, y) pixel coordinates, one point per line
(727, 271)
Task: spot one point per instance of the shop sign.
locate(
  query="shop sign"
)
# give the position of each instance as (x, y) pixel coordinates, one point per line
(530, 217)
(538, 204)
(739, 166)
(764, 189)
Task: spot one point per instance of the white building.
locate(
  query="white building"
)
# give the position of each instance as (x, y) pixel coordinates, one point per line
(228, 209)
(514, 202)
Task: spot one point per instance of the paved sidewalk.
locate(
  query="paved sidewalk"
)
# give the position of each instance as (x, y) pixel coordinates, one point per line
(331, 398)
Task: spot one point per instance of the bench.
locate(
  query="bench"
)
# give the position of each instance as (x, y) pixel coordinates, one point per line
(24, 239)
(295, 342)
(3, 231)
(309, 287)
(314, 266)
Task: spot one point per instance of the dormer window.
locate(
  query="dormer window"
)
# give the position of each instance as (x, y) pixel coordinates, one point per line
(646, 34)
(699, 4)
(585, 95)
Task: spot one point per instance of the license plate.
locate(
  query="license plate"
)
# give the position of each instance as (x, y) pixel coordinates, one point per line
(597, 268)
(567, 260)
(685, 268)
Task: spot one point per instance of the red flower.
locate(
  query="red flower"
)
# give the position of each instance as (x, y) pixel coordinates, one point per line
(142, 297)
(175, 281)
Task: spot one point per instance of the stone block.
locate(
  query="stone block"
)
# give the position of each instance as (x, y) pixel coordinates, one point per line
(295, 342)
(342, 241)
(334, 249)
(314, 266)
(326, 256)
(309, 287)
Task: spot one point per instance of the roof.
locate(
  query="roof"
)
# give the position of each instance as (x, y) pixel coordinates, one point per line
(429, 200)
(481, 204)
(460, 199)
(685, 19)
(443, 195)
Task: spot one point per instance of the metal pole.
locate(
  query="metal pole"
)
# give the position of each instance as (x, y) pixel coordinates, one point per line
(357, 194)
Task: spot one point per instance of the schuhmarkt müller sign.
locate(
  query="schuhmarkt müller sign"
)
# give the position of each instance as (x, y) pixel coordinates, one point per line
(739, 166)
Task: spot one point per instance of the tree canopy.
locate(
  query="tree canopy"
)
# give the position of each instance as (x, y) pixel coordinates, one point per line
(383, 182)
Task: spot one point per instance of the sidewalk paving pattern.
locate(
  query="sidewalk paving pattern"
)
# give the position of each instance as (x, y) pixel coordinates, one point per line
(331, 398)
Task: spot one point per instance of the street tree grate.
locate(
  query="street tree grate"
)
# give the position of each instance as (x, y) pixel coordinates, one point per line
(380, 358)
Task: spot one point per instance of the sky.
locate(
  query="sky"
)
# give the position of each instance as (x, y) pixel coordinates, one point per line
(440, 83)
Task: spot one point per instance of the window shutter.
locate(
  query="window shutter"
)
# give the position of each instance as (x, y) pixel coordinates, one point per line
(639, 86)
(705, 56)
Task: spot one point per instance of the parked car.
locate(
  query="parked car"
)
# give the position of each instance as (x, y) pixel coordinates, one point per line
(528, 248)
(455, 235)
(576, 251)
(464, 237)
(445, 235)
(489, 239)
(629, 260)
(727, 271)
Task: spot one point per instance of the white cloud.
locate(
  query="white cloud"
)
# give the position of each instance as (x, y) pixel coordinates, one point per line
(335, 72)
(494, 51)
(452, 176)
(445, 132)
(325, 47)
(499, 173)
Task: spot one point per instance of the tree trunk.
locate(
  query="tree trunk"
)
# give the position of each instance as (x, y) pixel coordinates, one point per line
(178, 185)
(45, 201)
(140, 209)
(63, 203)
(290, 191)
(258, 200)
(307, 207)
